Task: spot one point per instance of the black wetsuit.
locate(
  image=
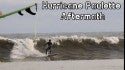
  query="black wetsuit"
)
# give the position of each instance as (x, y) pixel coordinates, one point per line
(49, 44)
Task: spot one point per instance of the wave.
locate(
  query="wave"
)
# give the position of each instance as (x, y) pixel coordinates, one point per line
(20, 48)
(24, 48)
(83, 47)
(69, 47)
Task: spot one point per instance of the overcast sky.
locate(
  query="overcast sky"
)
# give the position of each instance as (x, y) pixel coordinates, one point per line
(48, 21)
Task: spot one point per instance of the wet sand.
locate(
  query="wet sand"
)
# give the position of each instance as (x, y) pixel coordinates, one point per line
(112, 64)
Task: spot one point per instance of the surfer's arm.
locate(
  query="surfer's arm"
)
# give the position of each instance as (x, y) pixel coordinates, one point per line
(45, 44)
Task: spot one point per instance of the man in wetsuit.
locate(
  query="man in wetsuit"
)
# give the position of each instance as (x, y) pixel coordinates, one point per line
(49, 44)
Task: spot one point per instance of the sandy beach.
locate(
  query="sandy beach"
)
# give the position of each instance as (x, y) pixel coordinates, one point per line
(113, 64)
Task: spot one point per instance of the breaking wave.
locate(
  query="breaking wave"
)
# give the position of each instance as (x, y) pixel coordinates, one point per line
(69, 47)
(20, 48)
(24, 48)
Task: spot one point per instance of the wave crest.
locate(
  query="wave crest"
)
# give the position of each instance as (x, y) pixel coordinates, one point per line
(110, 40)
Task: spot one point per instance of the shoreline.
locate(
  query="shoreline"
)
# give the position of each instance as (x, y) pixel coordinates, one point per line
(109, 64)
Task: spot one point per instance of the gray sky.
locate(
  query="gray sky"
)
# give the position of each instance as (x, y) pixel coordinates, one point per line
(48, 21)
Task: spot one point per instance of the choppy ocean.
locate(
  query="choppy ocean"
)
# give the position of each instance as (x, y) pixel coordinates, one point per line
(67, 46)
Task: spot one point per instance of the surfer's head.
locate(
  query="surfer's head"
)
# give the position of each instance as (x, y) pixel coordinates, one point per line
(49, 40)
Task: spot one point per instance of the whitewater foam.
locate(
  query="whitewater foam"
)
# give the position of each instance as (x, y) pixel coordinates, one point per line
(3, 38)
(24, 48)
(110, 40)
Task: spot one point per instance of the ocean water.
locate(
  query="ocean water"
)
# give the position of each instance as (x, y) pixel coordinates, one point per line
(66, 46)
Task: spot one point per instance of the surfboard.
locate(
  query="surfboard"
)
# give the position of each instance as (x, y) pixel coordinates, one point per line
(52, 54)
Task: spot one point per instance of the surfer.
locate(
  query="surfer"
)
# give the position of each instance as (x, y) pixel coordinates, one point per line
(49, 45)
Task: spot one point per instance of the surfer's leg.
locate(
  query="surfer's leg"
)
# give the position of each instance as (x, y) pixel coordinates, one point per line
(50, 51)
(46, 50)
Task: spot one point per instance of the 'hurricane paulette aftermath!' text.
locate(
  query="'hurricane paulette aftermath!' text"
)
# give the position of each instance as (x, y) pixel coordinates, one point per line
(87, 5)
